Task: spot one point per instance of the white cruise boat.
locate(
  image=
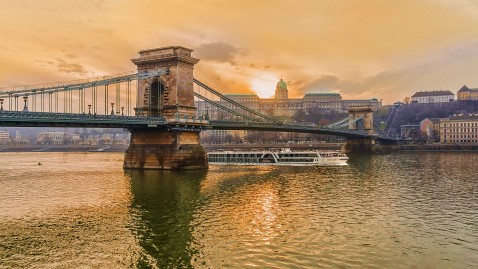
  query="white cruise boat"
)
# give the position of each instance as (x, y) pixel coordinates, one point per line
(283, 157)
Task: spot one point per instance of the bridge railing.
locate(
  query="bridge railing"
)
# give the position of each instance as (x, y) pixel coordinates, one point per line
(19, 115)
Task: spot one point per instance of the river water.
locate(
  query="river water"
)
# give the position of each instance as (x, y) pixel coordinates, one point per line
(81, 210)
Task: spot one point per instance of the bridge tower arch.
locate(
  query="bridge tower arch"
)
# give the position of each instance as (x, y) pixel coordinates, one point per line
(170, 96)
(366, 121)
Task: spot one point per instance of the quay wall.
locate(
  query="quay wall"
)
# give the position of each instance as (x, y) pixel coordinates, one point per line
(430, 147)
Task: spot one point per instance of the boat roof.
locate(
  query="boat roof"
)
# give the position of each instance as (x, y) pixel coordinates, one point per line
(275, 150)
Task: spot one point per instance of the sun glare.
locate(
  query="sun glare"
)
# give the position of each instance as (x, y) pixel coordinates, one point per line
(264, 85)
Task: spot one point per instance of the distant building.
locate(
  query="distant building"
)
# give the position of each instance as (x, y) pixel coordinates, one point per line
(221, 136)
(52, 138)
(433, 97)
(76, 139)
(92, 140)
(466, 93)
(20, 139)
(459, 129)
(283, 106)
(279, 106)
(322, 100)
(374, 103)
(410, 131)
(4, 137)
(430, 127)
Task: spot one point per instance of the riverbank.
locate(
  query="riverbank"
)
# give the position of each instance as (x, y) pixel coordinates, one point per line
(430, 147)
(63, 148)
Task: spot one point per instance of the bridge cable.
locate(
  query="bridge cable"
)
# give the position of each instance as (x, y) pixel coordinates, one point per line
(337, 123)
(234, 102)
(214, 103)
(380, 130)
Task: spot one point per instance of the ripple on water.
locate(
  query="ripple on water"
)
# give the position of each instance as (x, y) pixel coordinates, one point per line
(409, 210)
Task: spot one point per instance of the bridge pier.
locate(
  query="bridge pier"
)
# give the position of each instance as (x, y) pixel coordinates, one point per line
(170, 96)
(150, 149)
(361, 145)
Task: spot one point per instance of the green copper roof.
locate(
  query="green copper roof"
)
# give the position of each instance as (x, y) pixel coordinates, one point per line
(281, 84)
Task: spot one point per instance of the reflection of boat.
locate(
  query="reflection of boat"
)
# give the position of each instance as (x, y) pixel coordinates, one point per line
(100, 149)
(283, 157)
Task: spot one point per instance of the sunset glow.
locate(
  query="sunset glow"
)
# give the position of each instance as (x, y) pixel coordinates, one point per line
(264, 85)
(364, 49)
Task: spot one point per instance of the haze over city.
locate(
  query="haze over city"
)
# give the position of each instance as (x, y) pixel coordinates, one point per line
(361, 49)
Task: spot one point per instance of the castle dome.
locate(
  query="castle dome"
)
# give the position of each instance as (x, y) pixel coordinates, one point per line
(281, 85)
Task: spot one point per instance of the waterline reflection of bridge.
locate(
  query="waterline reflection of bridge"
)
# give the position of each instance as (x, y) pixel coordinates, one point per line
(164, 121)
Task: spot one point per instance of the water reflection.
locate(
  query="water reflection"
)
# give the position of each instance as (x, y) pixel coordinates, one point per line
(162, 207)
(401, 210)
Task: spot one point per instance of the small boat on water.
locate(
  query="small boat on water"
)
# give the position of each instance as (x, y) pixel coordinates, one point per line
(283, 157)
(100, 149)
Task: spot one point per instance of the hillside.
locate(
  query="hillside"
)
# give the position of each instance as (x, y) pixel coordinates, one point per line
(414, 113)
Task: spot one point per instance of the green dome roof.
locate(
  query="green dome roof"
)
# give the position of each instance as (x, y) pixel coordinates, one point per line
(281, 85)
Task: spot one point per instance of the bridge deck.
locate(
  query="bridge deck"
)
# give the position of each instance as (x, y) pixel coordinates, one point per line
(42, 119)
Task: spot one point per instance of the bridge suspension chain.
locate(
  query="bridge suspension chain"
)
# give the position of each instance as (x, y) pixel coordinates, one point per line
(216, 104)
(346, 124)
(87, 83)
(236, 104)
(338, 123)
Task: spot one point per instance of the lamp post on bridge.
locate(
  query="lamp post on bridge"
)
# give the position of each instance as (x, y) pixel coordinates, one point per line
(25, 106)
(112, 108)
(1, 104)
(89, 109)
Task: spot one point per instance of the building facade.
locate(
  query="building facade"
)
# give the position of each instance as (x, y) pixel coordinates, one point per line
(433, 97)
(52, 138)
(466, 93)
(459, 129)
(409, 131)
(430, 128)
(4, 137)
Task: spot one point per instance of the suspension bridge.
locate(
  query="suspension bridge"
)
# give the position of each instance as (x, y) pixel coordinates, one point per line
(164, 107)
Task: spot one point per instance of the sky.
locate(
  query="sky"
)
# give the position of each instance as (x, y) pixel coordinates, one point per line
(359, 48)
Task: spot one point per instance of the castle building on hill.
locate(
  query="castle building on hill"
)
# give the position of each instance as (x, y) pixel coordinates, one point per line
(424, 97)
(283, 106)
(466, 93)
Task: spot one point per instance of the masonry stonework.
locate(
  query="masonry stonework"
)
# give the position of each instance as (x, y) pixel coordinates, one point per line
(171, 97)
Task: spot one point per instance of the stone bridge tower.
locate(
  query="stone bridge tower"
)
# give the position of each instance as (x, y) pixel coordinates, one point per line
(361, 145)
(170, 96)
(366, 123)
